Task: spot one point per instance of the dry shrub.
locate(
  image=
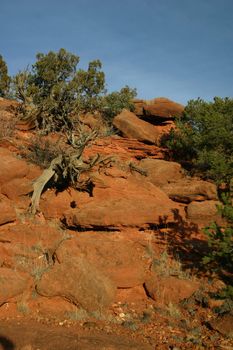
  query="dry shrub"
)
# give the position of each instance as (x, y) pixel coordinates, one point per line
(7, 128)
(42, 151)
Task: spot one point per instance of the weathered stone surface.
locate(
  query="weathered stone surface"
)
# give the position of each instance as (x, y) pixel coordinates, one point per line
(202, 211)
(163, 108)
(138, 104)
(119, 202)
(53, 205)
(12, 284)
(17, 188)
(132, 127)
(126, 267)
(7, 212)
(161, 172)
(123, 148)
(79, 282)
(223, 324)
(169, 289)
(27, 247)
(187, 190)
(11, 167)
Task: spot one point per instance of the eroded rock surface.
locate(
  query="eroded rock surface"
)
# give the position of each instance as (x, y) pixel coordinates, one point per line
(132, 127)
(79, 282)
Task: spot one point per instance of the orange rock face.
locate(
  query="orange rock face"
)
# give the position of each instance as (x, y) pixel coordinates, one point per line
(132, 127)
(161, 108)
(120, 202)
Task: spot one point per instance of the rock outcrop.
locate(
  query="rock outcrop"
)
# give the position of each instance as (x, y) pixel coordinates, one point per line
(132, 127)
(122, 202)
(79, 282)
(158, 109)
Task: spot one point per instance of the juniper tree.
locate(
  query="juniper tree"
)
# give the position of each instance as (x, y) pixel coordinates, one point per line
(4, 78)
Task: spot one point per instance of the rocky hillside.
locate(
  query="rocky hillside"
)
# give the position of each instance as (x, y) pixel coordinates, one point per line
(118, 257)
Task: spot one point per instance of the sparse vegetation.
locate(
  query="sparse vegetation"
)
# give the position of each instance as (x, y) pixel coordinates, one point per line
(114, 102)
(4, 78)
(42, 151)
(23, 307)
(203, 140)
(220, 241)
(53, 92)
(166, 266)
(7, 127)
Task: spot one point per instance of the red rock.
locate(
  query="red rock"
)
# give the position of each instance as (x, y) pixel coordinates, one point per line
(187, 190)
(161, 172)
(223, 324)
(25, 126)
(138, 104)
(11, 167)
(123, 203)
(203, 212)
(132, 127)
(7, 212)
(17, 188)
(126, 268)
(12, 284)
(79, 282)
(169, 289)
(27, 247)
(53, 205)
(163, 108)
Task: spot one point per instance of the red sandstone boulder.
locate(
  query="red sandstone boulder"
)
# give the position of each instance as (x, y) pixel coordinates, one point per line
(166, 290)
(187, 190)
(203, 212)
(53, 205)
(132, 127)
(17, 188)
(162, 108)
(126, 268)
(138, 104)
(11, 167)
(12, 284)
(79, 282)
(161, 172)
(7, 212)
(120, 202)
(29, 247)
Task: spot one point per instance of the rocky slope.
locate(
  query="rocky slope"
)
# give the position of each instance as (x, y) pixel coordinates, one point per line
(122, 257)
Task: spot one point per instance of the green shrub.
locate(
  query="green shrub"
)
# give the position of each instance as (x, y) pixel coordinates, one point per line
(4, 78)
(53, 92)
(114, 102)
(220, 238)
(220, 242)
(203, 140)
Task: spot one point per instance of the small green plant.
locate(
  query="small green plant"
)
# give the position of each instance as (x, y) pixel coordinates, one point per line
(38, 271)
(220, 239)
(173, 310)
(23, 307)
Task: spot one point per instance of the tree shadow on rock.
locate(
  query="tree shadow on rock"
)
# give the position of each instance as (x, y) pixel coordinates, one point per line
(183, 241)
(6, 344)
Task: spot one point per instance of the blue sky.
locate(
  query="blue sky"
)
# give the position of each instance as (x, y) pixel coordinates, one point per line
(180, 49)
